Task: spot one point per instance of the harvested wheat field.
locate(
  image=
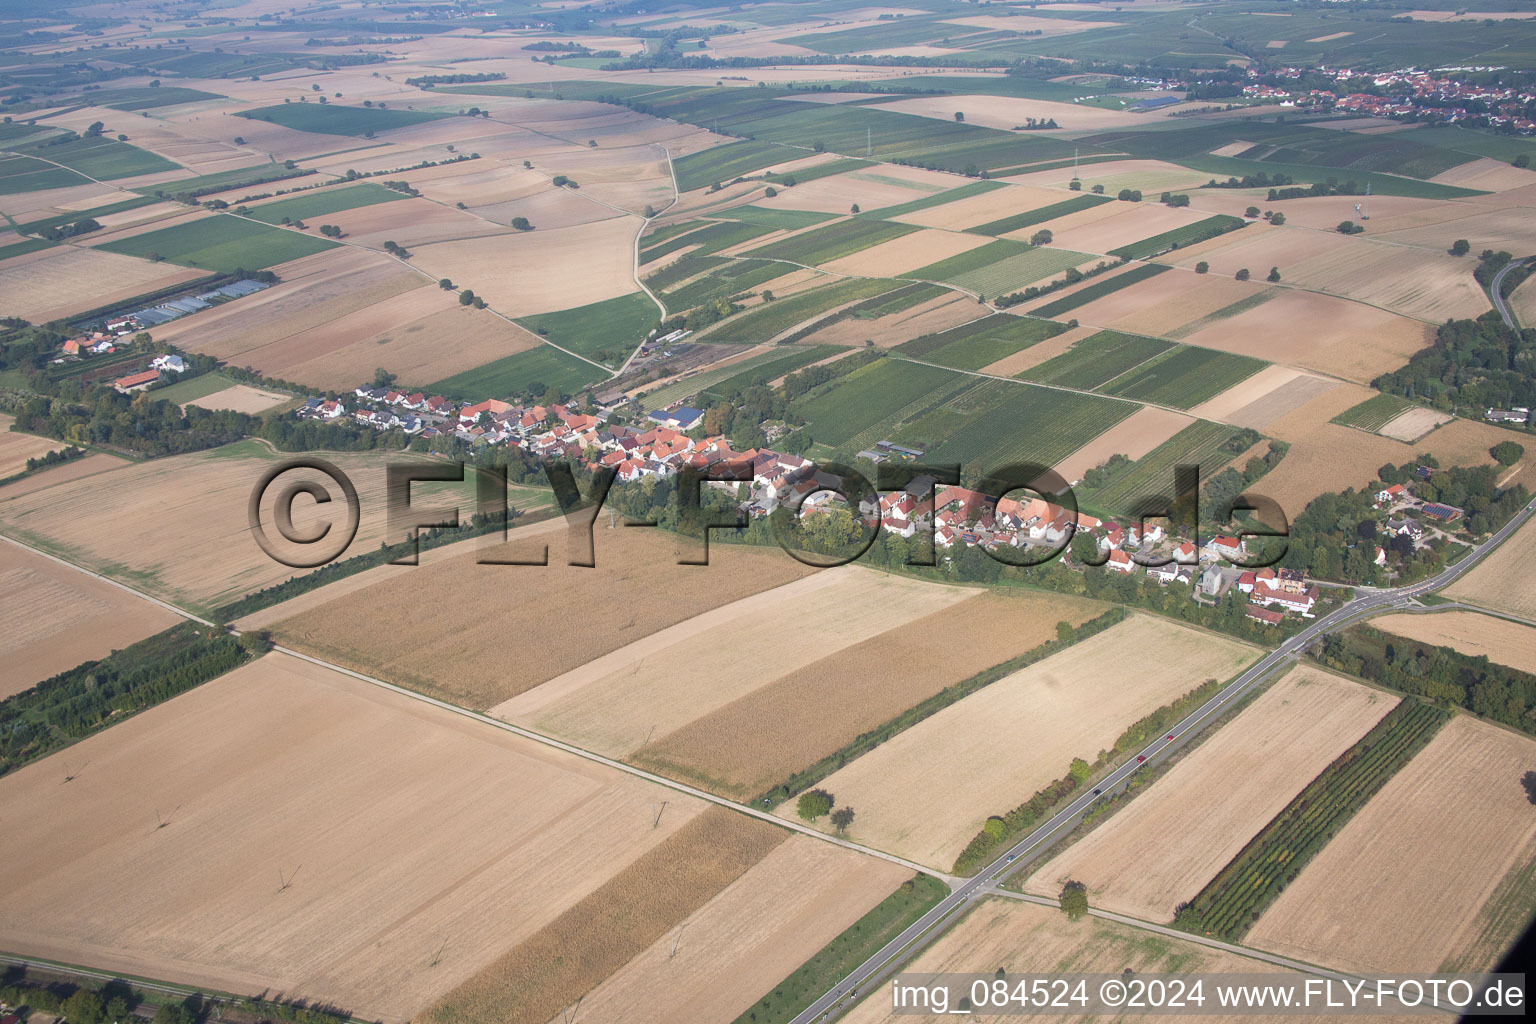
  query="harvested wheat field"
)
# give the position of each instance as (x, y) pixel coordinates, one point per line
(419, 336)
(1416, 880)
(756, 741)
(1326, 457)
(1006, 112)
(1148, 176)
(177, 527)
(838, 192)
(657, 893)
(1127, 223)
(1499, 640)
(1267, 395)
(1167, 306)
(520, 273)
(1429, 285)
(524, 639)
(1320, 332)
(1414, 424)
(948, 310)
(415, 847)
(1503, 580)
(1026, 938)
(927, 791)
(1523, 302)
(413, 222)
(1496, 222)
(16, 448)
(653, 686)
(53, 617)
(314, 292)
(1133, 437)
(982, 209)
(242, 398)
(1487, 174)
(904, 254)
(776, 916)
(1166, 844)
(53, 283)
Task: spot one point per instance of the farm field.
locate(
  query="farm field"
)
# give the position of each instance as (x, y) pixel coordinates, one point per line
(758, 740)
(1266, 396)
(1098, 289)
(1414, 881)
(1414, 424)
(769, 322)
(1471, 633)
(56, 617)
(1208, 806)
(338, 119)
(925, 792)
(242, 398)
(177, 526)
(902, 254)
(1374, 413)
(1124, 488)
(1134, 437)
(434, 650)
(51, 283)
(406, 849)
(1097, 360)
(1029, 939)
(981, 342)
(520, 372)
(1000, 266)
(326, 201)
(834, 241)
(16, 448)
(837, 414)
(1039, 215)
(1499, 581)
(613, 327)
(1184, 377)
(749, 937)
(220, 243)
(601, 705)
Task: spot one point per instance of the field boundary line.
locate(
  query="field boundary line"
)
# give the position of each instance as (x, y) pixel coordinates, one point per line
(629, 769)
(107, 580)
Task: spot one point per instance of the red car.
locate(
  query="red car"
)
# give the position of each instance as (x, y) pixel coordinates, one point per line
(1170, 736)
(1140, 758)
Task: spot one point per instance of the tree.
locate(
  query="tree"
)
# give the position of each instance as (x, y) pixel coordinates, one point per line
(1277, 219)
(813, 803)
(1064, 631)
(521, 224)
(466, 297)
(1460, 247)
(1074, 900)
(1098, 190)
(1348, 227)
(83, 1007)
(1080, 770)
(446, 284)
(1041, 237)
(1252, 211)
(1075, 185)
(1274, 275)
(1523, 160)
(1202, 267)
(767, 294)
(854, 209)
(959, 116)
(382, 378)
(1506, 453)
(770, 192)
(559, 180)
(1242, 275)
(1528, 780)
(841, 819)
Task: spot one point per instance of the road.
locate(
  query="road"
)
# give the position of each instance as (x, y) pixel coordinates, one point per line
(1498, 299)
(924, 930)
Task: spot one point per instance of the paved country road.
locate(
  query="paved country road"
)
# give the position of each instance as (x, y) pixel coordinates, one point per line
(1498, 300)
(924, 930)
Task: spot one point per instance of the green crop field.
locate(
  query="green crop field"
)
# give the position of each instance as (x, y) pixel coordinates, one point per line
(825, 244)
(981, 342)
(732, 277)
(723, 163)
(996, 423)
(1096, 360)
(767, 367)
(320, 203)
(23, 247)
(900, 300)
(1178, 237)
(1239, 894)
(948, 196)
(1099, 289)
(146, 98)
(767, 321)
(1128, 484)
(533, 371)
(1374, 413)
(883, 35)
(786, 220)
(1185, 376)
(240, 177)
(337, 118)
(838, 413)
(24, 174)
(221, 243)
(827, 169)
(972, 261)
(1039, 215)
(681, 270)
(1018, 271)
(711, 237)
(97, 157)
(201, 386)
(606, 331)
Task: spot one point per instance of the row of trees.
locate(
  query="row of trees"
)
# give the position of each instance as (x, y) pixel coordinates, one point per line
(1479, 363)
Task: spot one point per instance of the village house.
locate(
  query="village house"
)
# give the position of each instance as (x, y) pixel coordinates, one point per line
(136, 381)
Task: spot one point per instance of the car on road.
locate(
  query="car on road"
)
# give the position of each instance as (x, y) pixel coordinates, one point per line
(1140, 758)
(1169, 736)
(1010, 858)
(1097, 792)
